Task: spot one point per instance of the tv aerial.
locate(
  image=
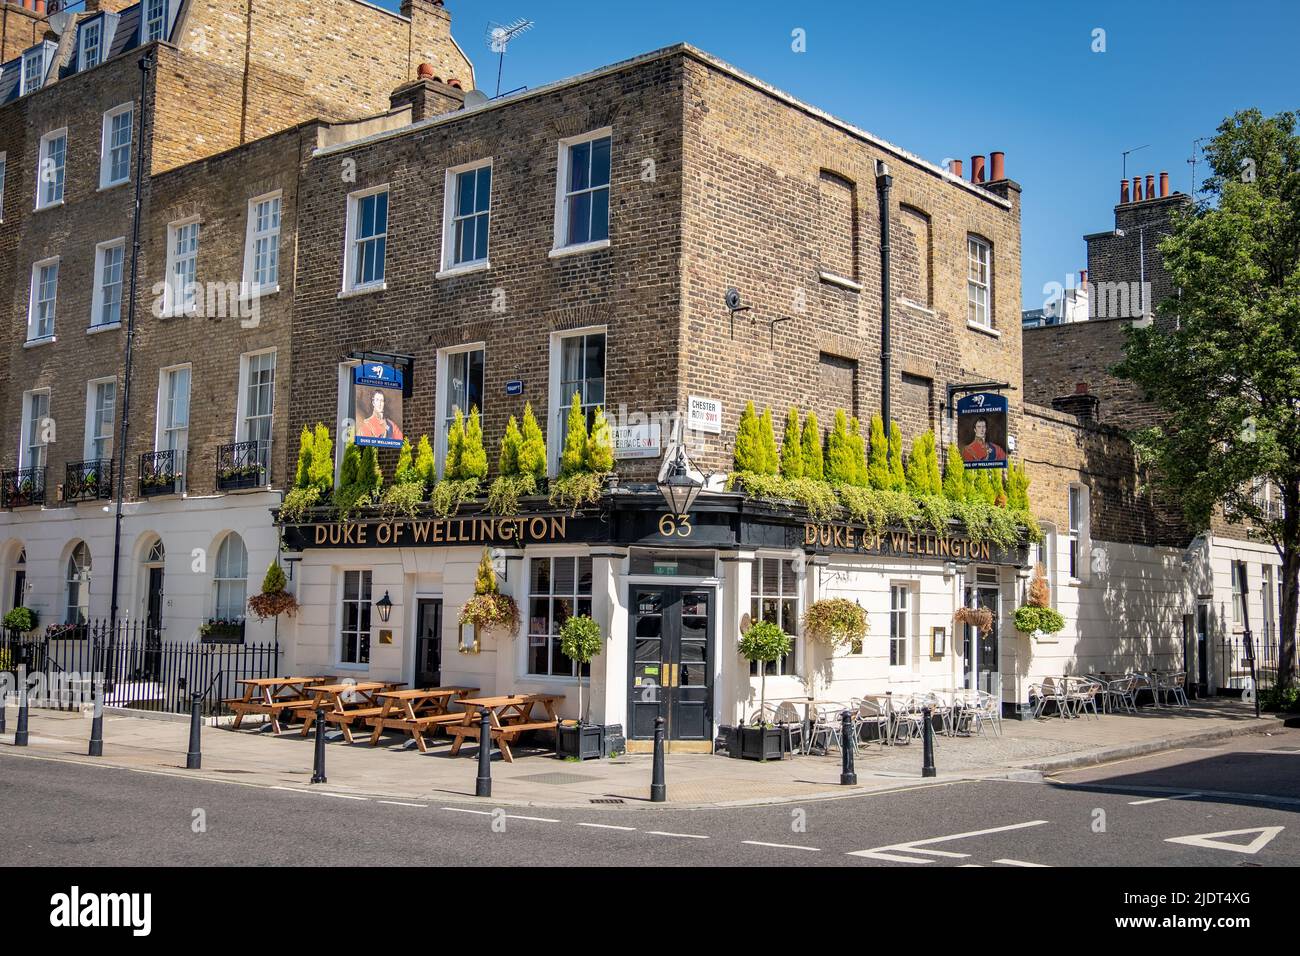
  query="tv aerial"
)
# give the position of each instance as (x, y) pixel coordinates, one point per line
(499, 36)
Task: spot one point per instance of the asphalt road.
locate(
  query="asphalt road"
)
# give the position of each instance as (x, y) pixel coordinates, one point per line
(1165, 810)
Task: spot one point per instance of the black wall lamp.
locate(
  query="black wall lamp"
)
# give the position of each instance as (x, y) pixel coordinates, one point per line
(385, 608)
(678, 487)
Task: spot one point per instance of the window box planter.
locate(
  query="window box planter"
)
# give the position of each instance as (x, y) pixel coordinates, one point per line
(234, 479)
(222, 632)
(153, 485)
(584, 741)
(764, 743)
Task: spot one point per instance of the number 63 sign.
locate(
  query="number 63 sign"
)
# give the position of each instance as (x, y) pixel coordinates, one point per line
(675, 526)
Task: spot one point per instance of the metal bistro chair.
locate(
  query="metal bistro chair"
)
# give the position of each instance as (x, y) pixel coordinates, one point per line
(908, 719)
(1053, 691)
(1119, 693)
(1083, 696)
(827, 728)
(787, 715)
(870, 712)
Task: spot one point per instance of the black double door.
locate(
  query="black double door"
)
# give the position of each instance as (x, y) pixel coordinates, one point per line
(672, 662)
(428, 642)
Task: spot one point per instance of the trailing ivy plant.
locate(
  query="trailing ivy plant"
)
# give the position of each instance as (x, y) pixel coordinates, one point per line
(587, 458)
(817, 497)
(511, 483)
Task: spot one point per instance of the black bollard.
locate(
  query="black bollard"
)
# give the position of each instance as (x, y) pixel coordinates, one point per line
(318, 770)
(927, 740)
(658, 789)
(194, 758)
(483, 782)
(97, 718)
(847, 776)
(4, 702)
(20, 736)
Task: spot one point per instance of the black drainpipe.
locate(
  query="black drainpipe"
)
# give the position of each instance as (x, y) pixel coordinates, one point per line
(883, 183)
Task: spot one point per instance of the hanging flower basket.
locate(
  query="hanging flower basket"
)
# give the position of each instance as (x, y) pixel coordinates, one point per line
(491, 612)
(978, 617)
(272, 604)
(835, 622)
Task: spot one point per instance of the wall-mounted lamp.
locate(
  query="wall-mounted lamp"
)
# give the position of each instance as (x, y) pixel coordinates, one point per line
(385, 607)
(677, 486)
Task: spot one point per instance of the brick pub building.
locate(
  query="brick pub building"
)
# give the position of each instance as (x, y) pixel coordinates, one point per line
(613, 211)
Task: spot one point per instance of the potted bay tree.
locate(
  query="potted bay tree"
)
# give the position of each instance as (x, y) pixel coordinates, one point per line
(580, 640)
(761, 643)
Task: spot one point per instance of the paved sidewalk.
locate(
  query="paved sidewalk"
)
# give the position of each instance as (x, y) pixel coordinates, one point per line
(538, 779)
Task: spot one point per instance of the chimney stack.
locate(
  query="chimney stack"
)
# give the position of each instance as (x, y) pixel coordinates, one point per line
(954, 167)
(1164, 185)
(998, 162)
(40, 6)
(1123, 191)
(977, 169)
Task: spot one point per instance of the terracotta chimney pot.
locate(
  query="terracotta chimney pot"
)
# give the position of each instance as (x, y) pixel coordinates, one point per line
(1123, 191)
(1164, 185)
(955, 167)
(998, 164)
(977, 169)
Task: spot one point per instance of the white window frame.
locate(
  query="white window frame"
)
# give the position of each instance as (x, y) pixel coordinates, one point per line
(242, 405)
(27, 439)
(33, 301)
(975, 288)
(92, 409)
(790, 665)
(346, 395)
(148, 22)
(97, 297)
(232, 582)
(43, 51)
(174, 298)
(561, 246)
(42, 156)
(450, 217)
(1239, 595)
(250, 287)
(551, 596)
(95, 28)
(338, 609)
(81, 582)
(441, 411)
(1077, 525)
(163, 428)
(350, 241)
(905, 611)
(556, 401)
(106, 180)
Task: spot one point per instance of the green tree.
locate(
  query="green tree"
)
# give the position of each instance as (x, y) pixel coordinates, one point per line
(767, 442)
(748, 453)
(511, 443)
(322, 459)
(532, 454)
(1226, 375)
(425, 466)
(351, 467)
(878, 464)
(923, 466)
(575, 440)
(455, 446)
(302, 475)
(473, 456)
(485, 576)
(897, 479)
(599, 454)
(839, 458)
(405, 473)
(1017, 487)
(791, 447)
(814, 465)
(369, 475)
(857, 453)
(274, 581)
(954, 476)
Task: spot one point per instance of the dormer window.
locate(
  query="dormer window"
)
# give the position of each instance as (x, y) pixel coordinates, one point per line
(155, 20)
(36, 62)
(92, 44)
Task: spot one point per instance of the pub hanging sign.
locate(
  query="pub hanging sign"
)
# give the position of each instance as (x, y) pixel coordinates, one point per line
(377, 389)
(982, 430)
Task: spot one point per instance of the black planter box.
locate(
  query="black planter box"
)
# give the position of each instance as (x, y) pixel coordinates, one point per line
(580, 740)
(612, 741)
(729, 740)
(764, 743)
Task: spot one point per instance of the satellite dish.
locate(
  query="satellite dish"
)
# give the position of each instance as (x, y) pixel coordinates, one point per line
(475, 98)
(60, 22)
(733, 299)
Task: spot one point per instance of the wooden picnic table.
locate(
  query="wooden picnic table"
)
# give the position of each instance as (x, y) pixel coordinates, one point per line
(510, 716)
(275, 697)
(417, 710)
(329, 697)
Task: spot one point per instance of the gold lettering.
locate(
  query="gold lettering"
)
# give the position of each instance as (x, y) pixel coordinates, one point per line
(533, 531)
(559, 527)
(437, 532)
(397, 530)
(322, 532)
(824, 536)
(383, 533)
(336, 534)
(361, 533)
(809, 534)
(986, 551)
(487, 530)
(420, 532)
(507, 530)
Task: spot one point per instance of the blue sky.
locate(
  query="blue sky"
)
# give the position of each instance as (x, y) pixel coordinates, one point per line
(955, 79)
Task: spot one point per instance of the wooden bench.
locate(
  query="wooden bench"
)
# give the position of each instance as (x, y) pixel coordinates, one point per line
(343, 718)
(417, 728)
(503, 736)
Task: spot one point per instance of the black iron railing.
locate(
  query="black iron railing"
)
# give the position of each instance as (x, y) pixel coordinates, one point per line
(160, 473)
(22, 487)
(244, 464)
(88, 480)
(140, 670)
(1234, 662)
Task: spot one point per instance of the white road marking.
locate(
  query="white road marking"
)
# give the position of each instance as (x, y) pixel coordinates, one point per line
(914, 846)
(1019, 863)
(687, 836)
(399, 803)
(783, 846)
(483, 813)
(511, 816)
(605, 826)
(1177, 796)
(1211, 841)
(341, 796)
